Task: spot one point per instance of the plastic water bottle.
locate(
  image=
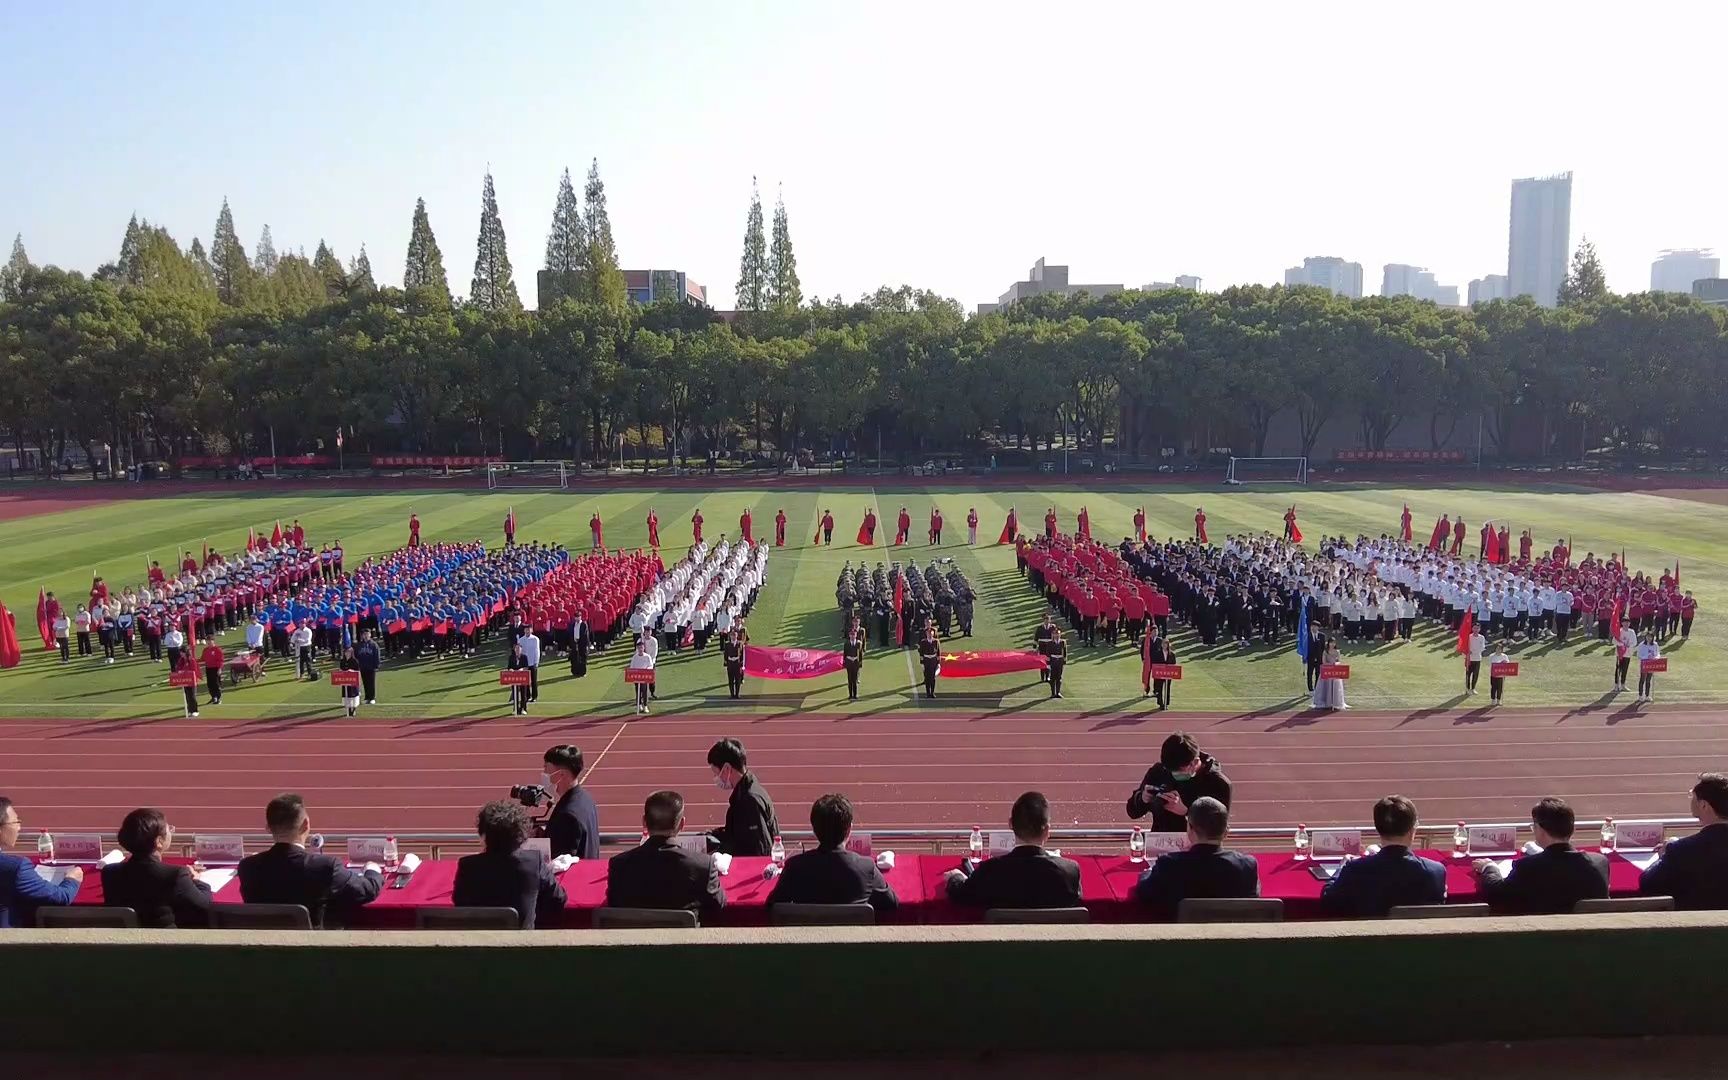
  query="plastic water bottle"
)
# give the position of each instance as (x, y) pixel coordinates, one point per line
(45, 847)
(777, 854)
(1303, 844)
(391, 859)
(1137, 845)
(1609, 833)
(975, 844)
(1460, 840)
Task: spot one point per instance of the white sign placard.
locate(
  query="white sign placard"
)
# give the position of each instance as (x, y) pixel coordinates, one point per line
(1336, 843)
(1492, 839)
(541, 844)
(77, 848)
(1163, 843)
(1637, 837)
(216, 850)
(1001, 842)
(861, 844)
(365, 849)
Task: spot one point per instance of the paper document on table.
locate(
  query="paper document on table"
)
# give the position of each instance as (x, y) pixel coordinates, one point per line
(1505, 867)
(53, 875)
(113, 856)
(1643, 860)
(218, 879)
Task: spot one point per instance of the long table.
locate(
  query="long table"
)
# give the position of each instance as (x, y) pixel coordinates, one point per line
(1106, 883)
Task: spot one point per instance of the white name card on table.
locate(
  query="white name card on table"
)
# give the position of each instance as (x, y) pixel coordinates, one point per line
(1336, 843)
(1163, 843)
(218, 850)
(542, 844)
(1492, 839)
(1637, 837)
(365, 849)
(860, 843)
(1001, 842)
(78, 848)
(693, 843)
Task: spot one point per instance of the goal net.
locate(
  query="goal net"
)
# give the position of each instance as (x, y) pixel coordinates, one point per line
(1267, 470)
(528, 474)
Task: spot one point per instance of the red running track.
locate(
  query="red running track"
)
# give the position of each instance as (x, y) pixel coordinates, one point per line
(938, 771)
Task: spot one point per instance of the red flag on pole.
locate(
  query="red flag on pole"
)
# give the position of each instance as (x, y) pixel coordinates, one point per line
(900, 607)
(276, 534)
(1464, 629)
(45, 625)
(10, 653)
(1404, 524)
(974, 664)
(1676, 573)
(1614, 625)
(1010, 529)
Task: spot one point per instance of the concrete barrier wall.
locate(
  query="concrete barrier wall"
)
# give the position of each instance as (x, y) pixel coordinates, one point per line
(855, 992)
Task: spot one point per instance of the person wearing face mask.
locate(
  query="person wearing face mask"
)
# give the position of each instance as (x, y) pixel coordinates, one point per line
(1182, 775)
(573, 827)
(750, 822)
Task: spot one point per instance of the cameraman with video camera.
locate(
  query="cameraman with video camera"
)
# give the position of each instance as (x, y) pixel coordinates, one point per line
(1182, 775)
(573, 825)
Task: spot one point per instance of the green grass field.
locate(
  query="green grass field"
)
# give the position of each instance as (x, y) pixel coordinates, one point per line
(63, 550)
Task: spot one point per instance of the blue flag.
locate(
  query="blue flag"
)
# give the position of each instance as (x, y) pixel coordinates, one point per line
(1302, 632)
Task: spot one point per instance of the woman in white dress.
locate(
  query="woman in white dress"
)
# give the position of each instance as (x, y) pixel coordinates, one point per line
(1329, 693)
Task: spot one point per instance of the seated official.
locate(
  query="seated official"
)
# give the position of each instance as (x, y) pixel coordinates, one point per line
(506, 874)
(574, 827)
(22, 889)
(750, 826)
(1552, 881)
(1028, 876)
(831, 874)
(660, 874)
(1375, 884)
(163, 895)
(1182, 775)
(1205, 871)
(287, 873)
(1694, 869)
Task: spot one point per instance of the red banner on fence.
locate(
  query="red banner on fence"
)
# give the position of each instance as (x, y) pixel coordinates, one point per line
(1653, 667)
(513, 677)
(1166, 671)
(766, 662)
(638, 675)
(1334, 671)
(431, 461)
(1404, 457)
(972, 664)
(344, 678)
(1503, 671)
(182, 678)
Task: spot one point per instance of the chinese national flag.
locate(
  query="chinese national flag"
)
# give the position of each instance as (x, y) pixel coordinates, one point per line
(1614, 625)
(10, 653)
(1464, 629)
(973, 664)
(900, 606)
(46, 628)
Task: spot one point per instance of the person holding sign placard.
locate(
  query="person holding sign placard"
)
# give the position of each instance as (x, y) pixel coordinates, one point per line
(643, 660)
(519, 692)
(1329, 693)
(1694, 869)
(1647, 650)
(1497, 683)
(1371, 886)
(164, 896)
(350, 694)
(22, 889)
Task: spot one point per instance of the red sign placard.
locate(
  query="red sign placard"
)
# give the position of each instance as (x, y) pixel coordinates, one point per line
(1334, 671)
(180, 678)
(1652, 667)
(344, 678)
(1166, 671)
(638, 675)
(513, 677)
(1508, 670)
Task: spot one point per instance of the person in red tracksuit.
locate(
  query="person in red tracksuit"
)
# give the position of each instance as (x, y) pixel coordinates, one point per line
(212, 659)
(780, 528)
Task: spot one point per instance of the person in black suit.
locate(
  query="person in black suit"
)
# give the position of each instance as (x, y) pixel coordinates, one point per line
(1041, 635)
(367, 654)
(506, 874)
(1694, 869)
(660, 874)
(1552, 881)
(1028, 876)
(1182, 775)
(580, 642)
(1375, 884)
(831, 874)
(164, 896)
(750, 826)
(1317, 642)
(1205, 871)
(287, 873)
(574, 824)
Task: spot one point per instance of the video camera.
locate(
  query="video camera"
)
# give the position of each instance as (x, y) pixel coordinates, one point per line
(530, 795)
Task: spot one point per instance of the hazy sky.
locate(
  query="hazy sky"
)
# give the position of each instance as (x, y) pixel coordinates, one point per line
(945, 145)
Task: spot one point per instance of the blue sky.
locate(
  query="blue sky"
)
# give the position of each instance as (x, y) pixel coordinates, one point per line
(941, 145)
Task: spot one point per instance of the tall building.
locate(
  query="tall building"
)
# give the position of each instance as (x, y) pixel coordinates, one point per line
(1328, 272)
(1398, 279)
(1489, 287)
(1711, 291)
(1540, 237)
(1044, 281)
(1676, 269)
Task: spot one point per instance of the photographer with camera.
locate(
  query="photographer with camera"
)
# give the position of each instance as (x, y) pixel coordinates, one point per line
(1182, 775)
(573, 825)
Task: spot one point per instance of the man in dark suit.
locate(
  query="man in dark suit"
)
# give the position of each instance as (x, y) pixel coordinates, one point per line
(1317, 642)
(287, 873)
(750, 826)
(831, 874)
(574, 826)
(1375, 884)
(163, 896)
(1694, 869)
(1205, 871)
(1028, 876)
(506, 874)
(1182, 775)
(660, 874)
(22, 890)
(1552, 881)
(367, 654)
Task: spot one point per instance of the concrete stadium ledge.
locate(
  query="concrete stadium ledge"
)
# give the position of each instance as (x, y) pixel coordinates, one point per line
(889, 990)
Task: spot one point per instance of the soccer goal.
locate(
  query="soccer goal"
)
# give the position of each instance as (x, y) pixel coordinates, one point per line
(1267, 470)
(528, 475)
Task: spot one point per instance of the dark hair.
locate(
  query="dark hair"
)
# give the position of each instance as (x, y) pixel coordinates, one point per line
(1179, 751)
(1554, 817)
(1030, 817)
(141, 829)
(662, 810)
(5, 805)
(1394, 816)
(565, 757)
(728, 752)
(284, 814)
(1209, 819)
(1711, 789)
(502, 825)
(831, 819)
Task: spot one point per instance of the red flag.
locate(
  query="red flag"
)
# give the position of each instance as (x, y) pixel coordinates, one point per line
(1464, 629)
(773, 663)
(1404, 524)
(1614, 626)
(251, 539)
(10, 653)
(1676, 573)
(1295, 533)
(865, 535)
(900, 608)
(973, 663)
(1009, 529)
(45, 626)
(276, 534)
(205, 561)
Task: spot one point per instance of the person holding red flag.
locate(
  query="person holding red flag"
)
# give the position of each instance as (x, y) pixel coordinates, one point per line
(902, 528)
(597, 531)
(1292, 532)
(1199, 524)
(867, 530)
(1083, 525)
(1488, 537)
(1458, 531)
(1442, 528)
(11, 653)
(1404, 524)
(1010, 528)
(780, 528)
(1050, 523)
(936, 525)
(276, 533)
(1140, 524)
(744, 523)
(48, 609)
(695, 525)
(413, 530)
(653, 530)
(510, 527)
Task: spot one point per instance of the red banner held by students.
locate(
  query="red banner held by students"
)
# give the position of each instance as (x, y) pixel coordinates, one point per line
(10, 651)
(974, 663)
(766, 662)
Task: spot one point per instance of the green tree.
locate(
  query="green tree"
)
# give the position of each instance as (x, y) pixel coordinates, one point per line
(228, 260)
(784, 292)
(12, 274)
(201, 266)
(360, 273)
(603, 281)
(565, 247)
(329, 269)
(1585, 282)
(131, 248)
(424, 270)
(264, 259)
(494, 285)
(753, 264)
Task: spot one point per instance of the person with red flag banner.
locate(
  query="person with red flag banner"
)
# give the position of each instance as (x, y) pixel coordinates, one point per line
(972, 525)
(597, 532)
(1442, 530)
(48, 610)
(1200, 525)
(780, 528)
(251, 539)
(1488, 539)
(276, 533)
(1292, 532)
(1050, 523)
(1140, 524)
(1083, 525)
(413, 531)
(744, 523)
(653, 530)
(930, 657)
(510, 527)
(1404, 524)
(185, 663)
(1010, 528)
(935, 526)
(867, 529)
(903, 528)
(11, 653)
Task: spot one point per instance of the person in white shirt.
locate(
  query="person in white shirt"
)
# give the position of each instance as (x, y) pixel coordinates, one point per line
(62, 630)
(1562, 615)
(1624, 648)
(1496, 683)
(255, 636)
(173, 641)
(530, 645)
(642, 661)
(1473, 660)
(302, 642)
(1647, 650)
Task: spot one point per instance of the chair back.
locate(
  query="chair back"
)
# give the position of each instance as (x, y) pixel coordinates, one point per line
(1238, 909)
(467, 918)
(1628, 903)
(626, 918)
(1438, 911)
(1036, 916)
(823, 915)
(259, 917)
(88, 916)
